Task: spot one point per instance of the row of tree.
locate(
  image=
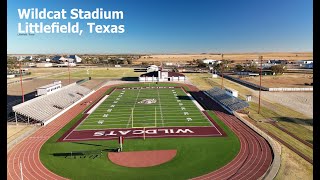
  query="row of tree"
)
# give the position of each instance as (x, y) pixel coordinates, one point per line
(225, 66)
(276, 69)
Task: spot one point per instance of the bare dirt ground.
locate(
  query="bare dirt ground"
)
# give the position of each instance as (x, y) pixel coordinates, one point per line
(93, 83)
(230, 56)
(299, 101)
(43, 72)
(32, 85)
(14, 131)
(292, 80)
(142, 158)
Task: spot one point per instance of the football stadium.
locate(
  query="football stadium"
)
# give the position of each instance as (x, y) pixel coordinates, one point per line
(127, 130)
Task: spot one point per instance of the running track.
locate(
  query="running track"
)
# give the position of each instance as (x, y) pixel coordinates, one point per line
(252, 161)
(255, 155)
(28, 150)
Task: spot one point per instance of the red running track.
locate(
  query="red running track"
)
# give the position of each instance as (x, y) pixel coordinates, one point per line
(255, 155)
(252, 161)
(28, 150)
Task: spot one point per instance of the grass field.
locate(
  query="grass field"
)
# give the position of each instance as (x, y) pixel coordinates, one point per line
(290, 80)
(124, 109)
(99, 73)
(289, 119)
(195, 156)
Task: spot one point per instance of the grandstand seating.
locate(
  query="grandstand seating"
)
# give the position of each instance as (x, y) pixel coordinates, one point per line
(45, 107)
(230, 102)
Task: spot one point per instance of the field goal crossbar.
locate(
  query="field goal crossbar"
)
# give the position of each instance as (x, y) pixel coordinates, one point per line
(144, 127)
(155, 120)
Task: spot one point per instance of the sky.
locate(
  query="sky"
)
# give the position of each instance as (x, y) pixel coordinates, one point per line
(171, 26)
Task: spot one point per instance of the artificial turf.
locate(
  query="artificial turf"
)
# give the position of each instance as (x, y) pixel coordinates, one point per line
(125, 108)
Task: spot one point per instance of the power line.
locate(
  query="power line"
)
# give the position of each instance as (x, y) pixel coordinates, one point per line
(260, 57)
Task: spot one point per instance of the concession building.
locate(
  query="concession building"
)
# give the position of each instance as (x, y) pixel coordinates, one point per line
(161, 76)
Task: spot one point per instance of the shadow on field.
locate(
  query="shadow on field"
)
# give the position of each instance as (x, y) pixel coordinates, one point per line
(198, 96)
(288, 119)
(183, 97)
(130, 79)
(310, 141)
(85, 154)
(86, 144)
(206, 102)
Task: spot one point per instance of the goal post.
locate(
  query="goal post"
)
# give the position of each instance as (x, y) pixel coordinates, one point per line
(155, 116)
(132, 117)
(143, 126)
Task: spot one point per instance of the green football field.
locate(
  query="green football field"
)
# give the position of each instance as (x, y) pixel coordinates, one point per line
(195, 155)
(154, 107)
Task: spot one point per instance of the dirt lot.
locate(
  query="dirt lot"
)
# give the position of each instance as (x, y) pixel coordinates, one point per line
(93, 83)
(230, 56)
(14, 131)
(299, 101)
(30, 86)
(43, 72)
(291, 80)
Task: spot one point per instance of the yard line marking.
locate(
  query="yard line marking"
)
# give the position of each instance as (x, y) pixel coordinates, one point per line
(134, 105)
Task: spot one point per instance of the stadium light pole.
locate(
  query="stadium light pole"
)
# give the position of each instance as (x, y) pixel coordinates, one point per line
(21, 82)
(222, 71)
(260, 57)
(69, 70)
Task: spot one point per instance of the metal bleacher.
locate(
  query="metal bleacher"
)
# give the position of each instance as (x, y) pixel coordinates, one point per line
(228, 101)
(45, 107)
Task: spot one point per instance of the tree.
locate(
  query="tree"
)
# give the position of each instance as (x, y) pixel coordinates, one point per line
(278, 69)
(238, 67)
(252, 68)
(129, 61)
(201, 64)
(218, 67)
(144, 63)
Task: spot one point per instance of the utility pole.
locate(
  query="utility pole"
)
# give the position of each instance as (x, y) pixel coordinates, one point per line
(260, 57)
(69, 70)
(222, 71)
(21, 82)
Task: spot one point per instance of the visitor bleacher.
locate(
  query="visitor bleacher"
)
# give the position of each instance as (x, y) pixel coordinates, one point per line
(45, 107)
(228, 101)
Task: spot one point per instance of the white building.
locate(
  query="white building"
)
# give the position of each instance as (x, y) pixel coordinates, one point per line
(41, 65)
(75, 58)
(231, 92)
(161, 76)
(152, 68)
(306, 64)
(209, 61)
(48, 89)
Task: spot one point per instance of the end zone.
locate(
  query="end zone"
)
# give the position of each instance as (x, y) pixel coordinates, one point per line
(132, 133)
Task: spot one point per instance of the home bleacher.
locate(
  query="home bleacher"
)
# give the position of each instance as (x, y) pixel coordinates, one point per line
(230, 102)
(45, 107)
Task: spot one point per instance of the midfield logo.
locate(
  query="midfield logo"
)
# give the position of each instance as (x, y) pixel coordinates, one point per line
(141, 131)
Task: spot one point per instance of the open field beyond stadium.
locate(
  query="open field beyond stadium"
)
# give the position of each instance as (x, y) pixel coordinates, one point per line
(239, 57)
